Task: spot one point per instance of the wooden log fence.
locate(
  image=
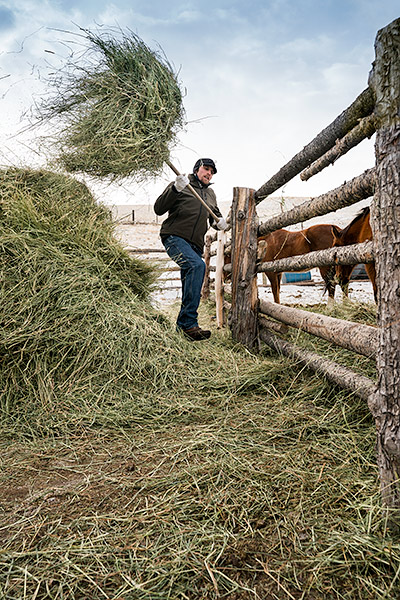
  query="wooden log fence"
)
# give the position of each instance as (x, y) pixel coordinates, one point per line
(376, 109)
(324, 141)
(208, 282)
(349, 193)
(362, 339)
(344, 255)
(145, 252)
(365, 129)
(337, 374)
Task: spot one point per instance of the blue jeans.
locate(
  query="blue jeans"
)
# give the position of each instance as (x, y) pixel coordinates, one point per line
(193, 269)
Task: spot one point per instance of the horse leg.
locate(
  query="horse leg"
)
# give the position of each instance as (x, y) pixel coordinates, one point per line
(328, 275)
(370, 268)
(275, 279)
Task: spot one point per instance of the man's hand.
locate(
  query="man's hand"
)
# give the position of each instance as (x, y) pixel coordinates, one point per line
(181, 182)
(222, 224)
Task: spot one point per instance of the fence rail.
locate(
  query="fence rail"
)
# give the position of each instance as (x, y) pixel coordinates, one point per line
(324, 141)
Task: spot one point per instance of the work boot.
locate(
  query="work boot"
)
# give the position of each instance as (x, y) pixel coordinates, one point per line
(195, 334)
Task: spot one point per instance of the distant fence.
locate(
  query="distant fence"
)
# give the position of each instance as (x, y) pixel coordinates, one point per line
(376, 109)
(167, 269)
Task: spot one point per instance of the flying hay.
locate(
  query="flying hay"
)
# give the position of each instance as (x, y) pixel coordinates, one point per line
(118, 112)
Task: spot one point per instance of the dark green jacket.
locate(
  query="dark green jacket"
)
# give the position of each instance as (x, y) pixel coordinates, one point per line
(187, 217)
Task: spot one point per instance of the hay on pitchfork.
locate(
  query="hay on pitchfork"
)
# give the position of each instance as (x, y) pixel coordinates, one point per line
(118, 111)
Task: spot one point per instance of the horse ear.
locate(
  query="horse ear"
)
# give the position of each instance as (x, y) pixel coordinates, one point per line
(335, 232)
(261, 248)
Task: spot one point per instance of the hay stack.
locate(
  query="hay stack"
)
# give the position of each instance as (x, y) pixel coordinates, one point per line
(118, 111)
(76, 320)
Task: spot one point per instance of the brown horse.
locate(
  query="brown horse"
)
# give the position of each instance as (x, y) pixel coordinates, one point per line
(283, 243)
(359, 230)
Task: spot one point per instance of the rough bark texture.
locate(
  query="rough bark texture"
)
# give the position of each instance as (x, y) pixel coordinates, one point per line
(365, 129)
(205, 290)
(213, 236)
(244, 318)
(385, 79)
(362, 339)
(272, 325)
(218, 286)
(341, 255)
(361, 107)
(345, 378)
(347, 194)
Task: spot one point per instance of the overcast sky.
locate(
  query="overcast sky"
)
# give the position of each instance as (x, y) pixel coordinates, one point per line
(262, 78)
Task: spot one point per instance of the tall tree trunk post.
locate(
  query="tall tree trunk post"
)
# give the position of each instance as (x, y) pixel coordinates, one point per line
(385, 403)
(244, 310)
(205, 290)
(219, 276)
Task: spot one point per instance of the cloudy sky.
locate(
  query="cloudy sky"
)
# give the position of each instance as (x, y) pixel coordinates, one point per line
(262, 78)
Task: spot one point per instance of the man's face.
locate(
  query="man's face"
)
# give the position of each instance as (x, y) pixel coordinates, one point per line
(205, 174)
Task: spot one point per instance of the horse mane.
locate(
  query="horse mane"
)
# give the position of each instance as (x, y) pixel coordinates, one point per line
(361, 215)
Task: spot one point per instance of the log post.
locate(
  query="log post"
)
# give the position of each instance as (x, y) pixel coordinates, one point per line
(205, 290)
(219, 276)
(385, 81)
(244, 310)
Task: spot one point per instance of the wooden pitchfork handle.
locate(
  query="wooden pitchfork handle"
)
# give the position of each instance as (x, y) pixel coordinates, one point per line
(175, 170)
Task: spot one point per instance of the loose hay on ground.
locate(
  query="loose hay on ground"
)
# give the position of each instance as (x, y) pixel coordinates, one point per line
(262, 492)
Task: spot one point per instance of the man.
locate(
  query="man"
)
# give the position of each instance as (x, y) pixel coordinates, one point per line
(182, 235)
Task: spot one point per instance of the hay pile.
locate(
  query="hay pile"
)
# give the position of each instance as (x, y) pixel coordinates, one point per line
(258, 481)
(76, 320)
(118, 108)
(80, 342)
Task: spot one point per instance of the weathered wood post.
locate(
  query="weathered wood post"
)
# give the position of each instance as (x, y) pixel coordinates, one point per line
(385, 403)
(219, 275)
(205, 290)
(244, 310)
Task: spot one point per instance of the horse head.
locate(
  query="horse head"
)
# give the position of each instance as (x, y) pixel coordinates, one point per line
(337, 235)
(342, 272)
(261, 250)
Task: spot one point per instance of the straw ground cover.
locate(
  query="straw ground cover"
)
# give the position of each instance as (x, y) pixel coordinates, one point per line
(117, 107)
(258, 489)
(138, 465)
